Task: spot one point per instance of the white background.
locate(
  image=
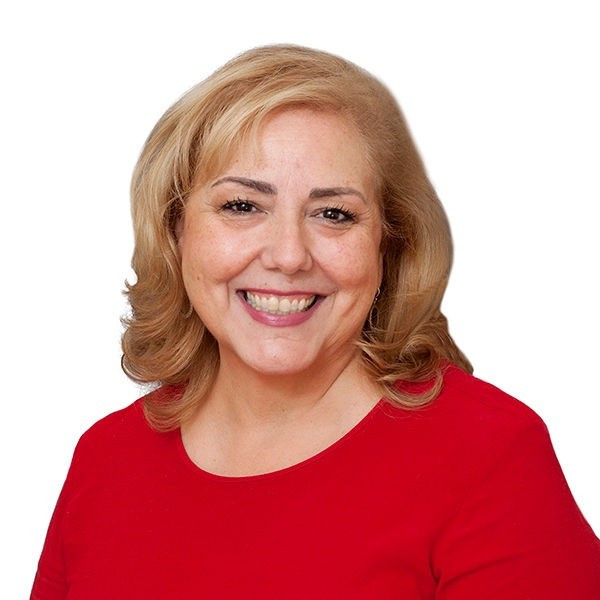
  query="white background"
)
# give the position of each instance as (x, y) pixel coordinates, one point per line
(502, 98)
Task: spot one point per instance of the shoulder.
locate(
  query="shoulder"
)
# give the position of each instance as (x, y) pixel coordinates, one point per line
(469, 428)
(468, 403)
(116, 425)
(120, 433)
(478, 402)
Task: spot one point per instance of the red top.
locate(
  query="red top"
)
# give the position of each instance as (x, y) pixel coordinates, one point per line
(461, 500)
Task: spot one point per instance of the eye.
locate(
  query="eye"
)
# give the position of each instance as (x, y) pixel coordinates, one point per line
(337, 214)
(238, 206)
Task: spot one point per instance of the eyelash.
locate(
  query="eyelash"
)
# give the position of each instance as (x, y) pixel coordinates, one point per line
(348, 215)
(235, 205)
(241, 206)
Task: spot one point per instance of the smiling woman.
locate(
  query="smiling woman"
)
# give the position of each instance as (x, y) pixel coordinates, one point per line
(314, 430)
(357, 129)
(261, 248)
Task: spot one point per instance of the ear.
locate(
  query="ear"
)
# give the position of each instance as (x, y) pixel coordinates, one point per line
(380, 267)
(178, 231)
(179, 228)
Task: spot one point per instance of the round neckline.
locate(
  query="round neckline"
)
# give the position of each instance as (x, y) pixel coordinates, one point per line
(322, 454)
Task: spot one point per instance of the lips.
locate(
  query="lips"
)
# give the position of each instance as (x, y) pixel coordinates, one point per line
(279, 305)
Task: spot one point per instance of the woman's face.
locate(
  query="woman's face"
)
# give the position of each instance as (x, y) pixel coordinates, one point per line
(281, 251)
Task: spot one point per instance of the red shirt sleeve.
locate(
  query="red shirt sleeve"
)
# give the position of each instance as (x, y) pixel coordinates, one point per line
(519, 534)
(50, 581)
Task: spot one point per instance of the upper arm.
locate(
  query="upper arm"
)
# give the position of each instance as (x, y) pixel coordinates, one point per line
(519, 533)
(50, 581)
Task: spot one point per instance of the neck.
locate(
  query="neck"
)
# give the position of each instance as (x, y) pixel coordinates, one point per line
(251, 423)
(244, 397)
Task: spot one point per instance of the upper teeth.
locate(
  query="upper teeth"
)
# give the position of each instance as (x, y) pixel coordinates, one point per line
(278, 306)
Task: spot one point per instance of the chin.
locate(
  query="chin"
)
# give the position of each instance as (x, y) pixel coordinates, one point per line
(278, 368)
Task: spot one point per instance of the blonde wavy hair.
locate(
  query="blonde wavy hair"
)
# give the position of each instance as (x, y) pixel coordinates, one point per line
(406, 337)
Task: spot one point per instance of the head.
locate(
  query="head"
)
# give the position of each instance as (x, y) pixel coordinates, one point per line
(406, 336)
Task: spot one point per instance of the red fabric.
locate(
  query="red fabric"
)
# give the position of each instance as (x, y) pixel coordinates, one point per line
(461, 500)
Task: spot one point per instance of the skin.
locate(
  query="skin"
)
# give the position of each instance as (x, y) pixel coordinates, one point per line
(293, 216)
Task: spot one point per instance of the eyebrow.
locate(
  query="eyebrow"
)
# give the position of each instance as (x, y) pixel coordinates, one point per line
(267, 188)
(259, 186)
(335, 191)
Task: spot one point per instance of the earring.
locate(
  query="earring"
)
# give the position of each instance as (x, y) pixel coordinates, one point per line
(372, 320)
(376, 296)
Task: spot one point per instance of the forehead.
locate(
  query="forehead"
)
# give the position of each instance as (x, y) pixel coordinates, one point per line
(303, 140)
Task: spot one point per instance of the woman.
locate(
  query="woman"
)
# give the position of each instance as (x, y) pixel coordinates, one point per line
(317, 432)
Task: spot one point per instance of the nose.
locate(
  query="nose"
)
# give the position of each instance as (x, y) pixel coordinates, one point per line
(287, 247)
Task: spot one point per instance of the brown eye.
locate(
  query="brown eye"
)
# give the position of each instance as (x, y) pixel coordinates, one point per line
(238, 206)
(338, 215)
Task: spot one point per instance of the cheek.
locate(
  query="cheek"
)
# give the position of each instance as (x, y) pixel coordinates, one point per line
(212, 255)
(354, 264)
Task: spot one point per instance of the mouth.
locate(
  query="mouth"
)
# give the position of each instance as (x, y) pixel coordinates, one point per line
(279, 305)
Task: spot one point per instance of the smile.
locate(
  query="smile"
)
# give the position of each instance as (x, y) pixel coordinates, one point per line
(275, 305)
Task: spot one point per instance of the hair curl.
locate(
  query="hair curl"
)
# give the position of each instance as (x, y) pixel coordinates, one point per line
(406, 337)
